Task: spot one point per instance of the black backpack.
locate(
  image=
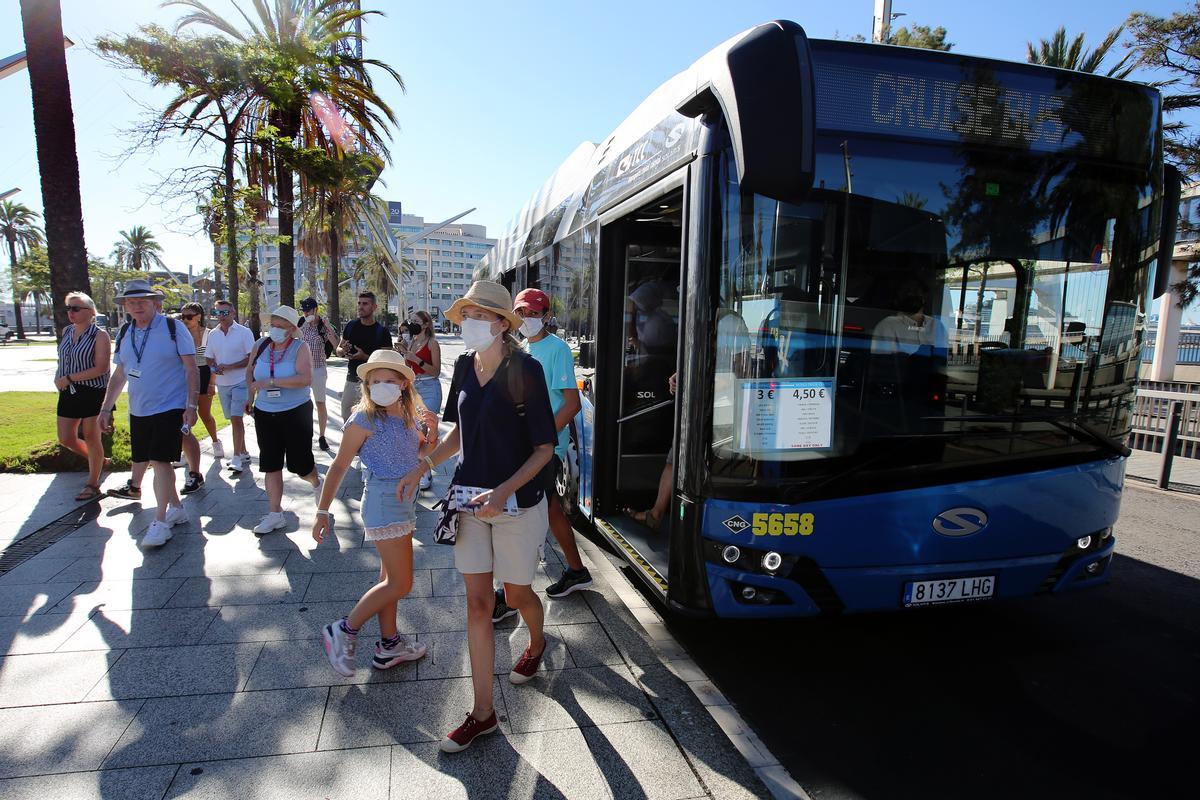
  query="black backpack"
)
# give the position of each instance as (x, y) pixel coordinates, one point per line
(125, 328)
(327, 344)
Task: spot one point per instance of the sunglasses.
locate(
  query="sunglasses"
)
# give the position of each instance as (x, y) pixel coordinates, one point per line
(188, 316)
(79, 308)
(222, 312)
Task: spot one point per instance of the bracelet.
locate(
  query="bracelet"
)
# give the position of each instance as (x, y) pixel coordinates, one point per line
(193, 405)
(107, 410)
(324, 512)
(428, 461)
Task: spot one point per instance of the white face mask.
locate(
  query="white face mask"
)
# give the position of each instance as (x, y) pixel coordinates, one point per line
(383, 394)
(532, 326)
(278, 335)
(477, 334)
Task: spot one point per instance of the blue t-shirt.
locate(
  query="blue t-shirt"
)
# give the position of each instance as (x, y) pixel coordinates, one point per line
(157, 378)
(391, 449)
(559, 365)
(495, 440)
(285, 367)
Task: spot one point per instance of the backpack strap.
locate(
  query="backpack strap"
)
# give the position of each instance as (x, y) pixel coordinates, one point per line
(514, 377)
(120, 337)
(263, 344)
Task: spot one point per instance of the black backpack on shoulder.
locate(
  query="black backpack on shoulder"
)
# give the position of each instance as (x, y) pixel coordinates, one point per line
(125, 328)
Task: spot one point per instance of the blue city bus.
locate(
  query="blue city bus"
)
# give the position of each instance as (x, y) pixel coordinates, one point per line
(903, 294)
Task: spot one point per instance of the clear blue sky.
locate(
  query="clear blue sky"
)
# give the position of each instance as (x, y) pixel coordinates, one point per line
(498, 93)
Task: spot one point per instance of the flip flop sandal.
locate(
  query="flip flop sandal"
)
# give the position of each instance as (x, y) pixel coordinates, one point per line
(89, 492)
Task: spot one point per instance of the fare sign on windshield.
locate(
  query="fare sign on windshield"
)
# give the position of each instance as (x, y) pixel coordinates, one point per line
(795, 414)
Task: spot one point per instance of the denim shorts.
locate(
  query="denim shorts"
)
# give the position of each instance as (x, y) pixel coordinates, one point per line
(430, 390)
(233, 399)
(381, 509)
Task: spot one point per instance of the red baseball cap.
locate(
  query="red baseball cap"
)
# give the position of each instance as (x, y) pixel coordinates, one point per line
(533, 299)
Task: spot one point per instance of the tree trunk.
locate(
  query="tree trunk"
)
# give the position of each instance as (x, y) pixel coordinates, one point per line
(217, 270)
(231, 231)
(58, 162)
(335, 307)
(289, 127)
(12, 256)
(253, 284)
(37, 312)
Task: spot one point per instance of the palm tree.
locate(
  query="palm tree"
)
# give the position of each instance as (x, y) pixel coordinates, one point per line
(137, 249)
(58, 162)
(1057, 52)
(377, 269)
(19, 228)
(293, 49)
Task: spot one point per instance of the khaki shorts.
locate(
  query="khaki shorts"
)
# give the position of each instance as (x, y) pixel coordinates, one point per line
(503, 545)
(320, 376)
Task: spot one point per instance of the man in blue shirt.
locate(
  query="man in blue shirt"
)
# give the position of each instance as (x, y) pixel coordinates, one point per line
(159, 364)
(533, 305)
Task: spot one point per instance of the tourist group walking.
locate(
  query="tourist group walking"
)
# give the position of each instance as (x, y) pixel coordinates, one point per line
(511, 399)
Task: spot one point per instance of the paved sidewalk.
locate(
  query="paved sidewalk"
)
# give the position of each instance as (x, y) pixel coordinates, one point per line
(1185, 472)
(197, 670)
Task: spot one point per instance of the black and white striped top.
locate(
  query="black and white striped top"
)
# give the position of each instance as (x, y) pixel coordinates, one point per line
(79, 355)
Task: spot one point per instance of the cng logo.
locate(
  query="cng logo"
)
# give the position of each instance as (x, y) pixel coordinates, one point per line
(736, 524)
(960, 521)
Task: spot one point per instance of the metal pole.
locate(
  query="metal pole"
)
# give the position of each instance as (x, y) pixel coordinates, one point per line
(1172, 437)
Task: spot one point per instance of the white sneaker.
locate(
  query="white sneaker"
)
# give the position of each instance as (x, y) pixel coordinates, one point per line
(386, 658)
(340, 647)
(272, 521)
(239, 462)
(176, 515)
(426, 482)
(158, 534)
(218, 449)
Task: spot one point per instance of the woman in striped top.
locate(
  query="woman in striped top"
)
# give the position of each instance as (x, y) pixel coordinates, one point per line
(82, 377)
(193, 317)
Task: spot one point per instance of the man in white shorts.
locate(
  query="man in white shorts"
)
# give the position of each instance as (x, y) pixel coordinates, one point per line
(228, 352)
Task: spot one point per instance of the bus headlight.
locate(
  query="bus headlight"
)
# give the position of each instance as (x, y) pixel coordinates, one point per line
(772, 561)
(731, 554)
(1084, 542)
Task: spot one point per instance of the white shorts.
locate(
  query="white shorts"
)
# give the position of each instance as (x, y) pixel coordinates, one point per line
(319, 377)
(233, 399)
(505, 546)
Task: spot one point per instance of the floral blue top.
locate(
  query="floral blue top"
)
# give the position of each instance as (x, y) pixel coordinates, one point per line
(392, 448)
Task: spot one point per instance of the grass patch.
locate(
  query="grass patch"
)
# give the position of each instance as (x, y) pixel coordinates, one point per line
(30, 440)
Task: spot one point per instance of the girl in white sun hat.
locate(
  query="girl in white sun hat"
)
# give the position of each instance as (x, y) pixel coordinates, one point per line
(390, 430)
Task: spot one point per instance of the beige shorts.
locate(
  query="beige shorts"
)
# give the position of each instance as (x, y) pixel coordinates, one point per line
(503, 545)
(320, 376)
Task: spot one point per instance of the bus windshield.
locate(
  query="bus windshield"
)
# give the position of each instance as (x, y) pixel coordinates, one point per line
(927, 306)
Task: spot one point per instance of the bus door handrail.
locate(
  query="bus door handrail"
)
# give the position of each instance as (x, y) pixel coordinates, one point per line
(644, 411)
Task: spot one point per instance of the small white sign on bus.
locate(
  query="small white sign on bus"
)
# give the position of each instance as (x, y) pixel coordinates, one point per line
(786, 414)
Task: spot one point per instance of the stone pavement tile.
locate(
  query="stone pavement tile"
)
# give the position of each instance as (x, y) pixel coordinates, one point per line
(277, 623)
(170, 671)
(76, 736)
(301, 539)
(120, 595)
(640, 759)
(358, 559)
(46, 678)
(448, 583)
(141, 783)
(240, 590)
(245, 498)
(43, 633)
(634, 644)
(122, 565)
(219, 525)
(539, 766)
(720, 765)
(206, 727)
(25, 600)
(151, 627)
(302, 662)
(198, 565)
(575, 698)
(349, 586)
(568, 610)
(390, 713)
(431, 615)
(589, 645)
(433, 556)
(448, 656)
(361, 774)
(39, 569)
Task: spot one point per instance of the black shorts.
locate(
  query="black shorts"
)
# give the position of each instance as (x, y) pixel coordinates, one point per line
(157, 437)
(205, 376)
(550, 473)
(285, 436)
(81, 405)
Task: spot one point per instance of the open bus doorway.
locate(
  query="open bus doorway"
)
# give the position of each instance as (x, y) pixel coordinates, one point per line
(641, 271)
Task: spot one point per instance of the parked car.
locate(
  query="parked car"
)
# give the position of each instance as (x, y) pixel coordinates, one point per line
(6, 333)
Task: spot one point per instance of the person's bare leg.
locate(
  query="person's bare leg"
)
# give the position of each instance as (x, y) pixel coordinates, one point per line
(564, 534)
(239, 435)
(654, 515)
(206, 416)
(396, 557)
(95, 448)
(481, 641)
(68, 436)
(164, 488)
(275, 490)
(322, 417)
(191, 452)
(525, 600)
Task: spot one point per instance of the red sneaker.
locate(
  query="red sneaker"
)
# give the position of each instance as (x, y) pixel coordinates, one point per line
(461, 737)
(526, 667)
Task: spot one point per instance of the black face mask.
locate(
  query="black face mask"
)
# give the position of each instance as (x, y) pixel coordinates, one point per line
(413, 328)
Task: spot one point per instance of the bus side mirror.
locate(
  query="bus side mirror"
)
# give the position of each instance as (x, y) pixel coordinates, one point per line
(1172, 185)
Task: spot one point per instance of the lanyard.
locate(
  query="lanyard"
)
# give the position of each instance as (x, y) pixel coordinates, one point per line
(272, 359)
(145, 340)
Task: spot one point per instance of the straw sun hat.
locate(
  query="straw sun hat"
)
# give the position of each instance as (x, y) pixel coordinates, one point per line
(385, 359)
(490, 296)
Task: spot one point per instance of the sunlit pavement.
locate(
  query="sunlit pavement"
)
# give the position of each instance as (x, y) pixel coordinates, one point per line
(196, 669)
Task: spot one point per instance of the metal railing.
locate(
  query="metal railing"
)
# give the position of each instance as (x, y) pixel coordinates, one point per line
(1189, 348)
(1152, 417)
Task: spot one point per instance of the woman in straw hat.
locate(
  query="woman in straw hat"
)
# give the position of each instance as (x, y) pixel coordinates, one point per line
(278, 377)
(505, 430)
(389, 430)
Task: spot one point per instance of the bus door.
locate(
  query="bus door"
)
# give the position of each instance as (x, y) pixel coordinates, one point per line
(640, 310)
